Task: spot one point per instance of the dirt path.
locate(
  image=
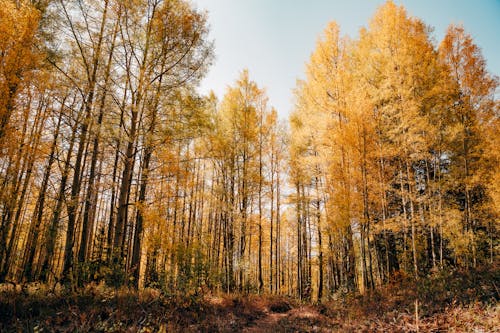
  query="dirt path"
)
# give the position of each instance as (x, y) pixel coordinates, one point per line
(304, 318)
(268, 323)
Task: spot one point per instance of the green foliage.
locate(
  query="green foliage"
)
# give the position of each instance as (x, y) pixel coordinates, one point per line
(114, 274)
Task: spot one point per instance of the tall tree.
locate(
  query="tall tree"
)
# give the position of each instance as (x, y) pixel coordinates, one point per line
(472, 116)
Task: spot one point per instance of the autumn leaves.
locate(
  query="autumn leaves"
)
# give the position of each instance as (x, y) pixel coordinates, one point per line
(386, 148)
(122, 172)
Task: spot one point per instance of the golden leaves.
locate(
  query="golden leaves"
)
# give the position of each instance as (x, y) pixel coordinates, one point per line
(18, 26)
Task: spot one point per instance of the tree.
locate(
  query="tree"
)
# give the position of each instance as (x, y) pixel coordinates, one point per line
(472, 118)
(18, 56)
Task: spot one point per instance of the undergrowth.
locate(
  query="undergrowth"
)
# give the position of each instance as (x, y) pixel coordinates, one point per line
(447, 300)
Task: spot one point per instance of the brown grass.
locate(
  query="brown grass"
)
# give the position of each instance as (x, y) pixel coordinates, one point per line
(449, 301)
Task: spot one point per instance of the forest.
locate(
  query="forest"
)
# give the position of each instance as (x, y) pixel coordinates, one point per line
(119, 179)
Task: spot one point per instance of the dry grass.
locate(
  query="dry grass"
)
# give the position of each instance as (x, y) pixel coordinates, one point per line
(449, 302)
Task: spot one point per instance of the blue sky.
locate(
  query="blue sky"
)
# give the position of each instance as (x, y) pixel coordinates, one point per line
(274, 38)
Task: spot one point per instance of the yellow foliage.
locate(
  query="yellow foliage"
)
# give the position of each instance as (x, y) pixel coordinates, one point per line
(18, 27)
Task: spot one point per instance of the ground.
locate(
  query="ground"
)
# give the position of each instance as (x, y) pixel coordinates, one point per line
(455, 302)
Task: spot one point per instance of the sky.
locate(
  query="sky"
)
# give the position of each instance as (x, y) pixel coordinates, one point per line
(274, 39)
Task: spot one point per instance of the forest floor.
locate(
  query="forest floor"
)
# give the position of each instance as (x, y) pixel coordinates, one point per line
(452, 301)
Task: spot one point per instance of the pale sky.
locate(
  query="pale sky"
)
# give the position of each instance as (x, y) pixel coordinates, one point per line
(274, 38)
